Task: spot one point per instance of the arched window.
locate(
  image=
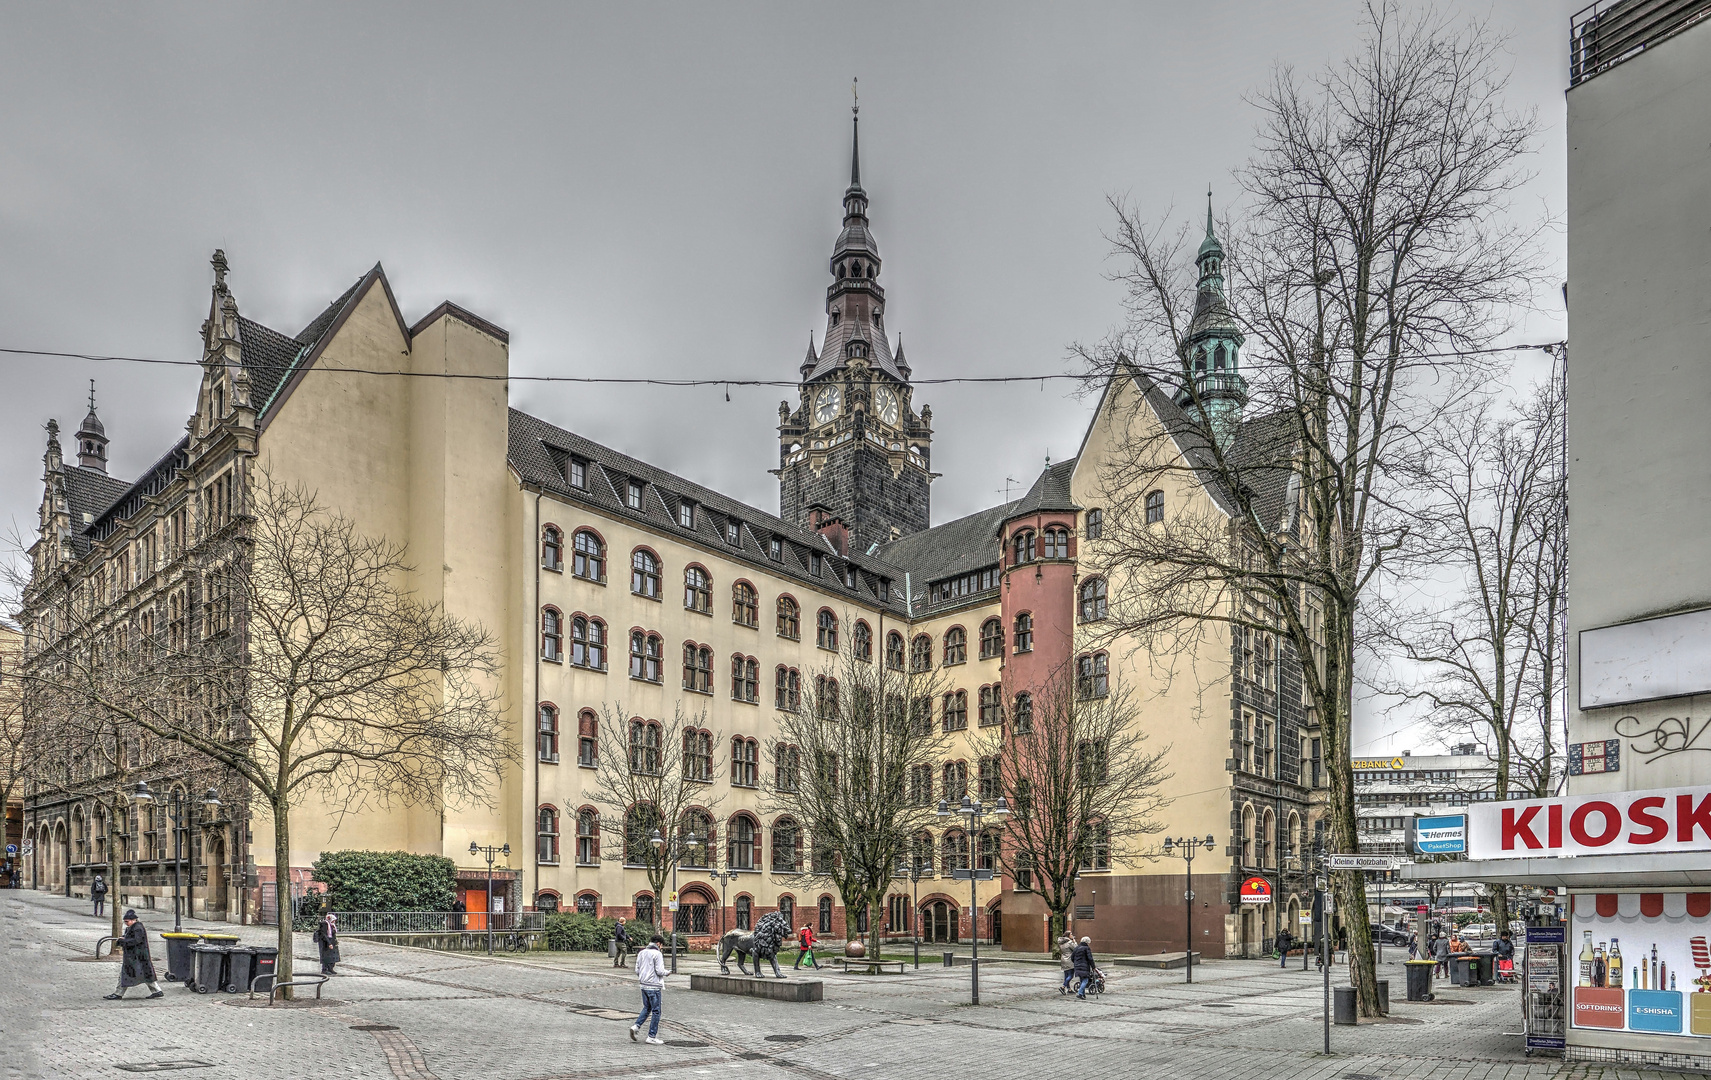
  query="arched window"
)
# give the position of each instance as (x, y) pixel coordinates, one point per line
(954, 848)
(1200, 361)
(787, 767)
(588, 904)
(546, 835)
(1022, 721)
(1056, 544)
(546, 733)
(745, 762)
(955, 783)
(647, 655)
(991, 639)
(787, 908)
(991, 705)
(1092, 676)
(546, 902)
(988, 849)
(640, 824)
(786, 846)
(740, 843)
(862, 645)
(826, 630)
(1292, 838)
(699, 839)
(697, 668)
(645, 908)
(745, 911)
(644, 747)
(745, 611)
(1155, 507)
(1267, 839)
(894, 651)
(787, 689)
(1092, 762)
(825, 915)
(1024, 633)
(745, 679)
(826, 705)
(552, 548)
(644, 574)
(1218, 357)
(588, 643)
(921, 653)
(789, 619)
(698, 590)
(1093, 599)
(956, 710)
(956, 646)
(921, 853)
(1022, 546)
(697, 755)
(1096, 849)
(1248, 825)
(587, 556)
(552, 634)
(987, 787)
(587, 738)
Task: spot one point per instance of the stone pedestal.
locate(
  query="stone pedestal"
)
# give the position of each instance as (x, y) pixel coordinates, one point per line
(1165, 960)
(749, 986)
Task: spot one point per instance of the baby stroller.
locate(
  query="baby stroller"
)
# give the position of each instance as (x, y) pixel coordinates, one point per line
(1506, 971)
(1097, 985)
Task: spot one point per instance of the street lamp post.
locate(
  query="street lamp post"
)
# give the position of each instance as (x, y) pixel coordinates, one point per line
(176, 805)
(908, 868)
(723, 877)
(974, 813)
(491, 852)
(675, 853)
(1186, 846)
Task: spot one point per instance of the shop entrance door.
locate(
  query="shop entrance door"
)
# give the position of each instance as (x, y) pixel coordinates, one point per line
(939, 922)
(475, 903)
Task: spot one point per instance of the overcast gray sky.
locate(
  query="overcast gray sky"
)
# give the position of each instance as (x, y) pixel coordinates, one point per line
(630, 189)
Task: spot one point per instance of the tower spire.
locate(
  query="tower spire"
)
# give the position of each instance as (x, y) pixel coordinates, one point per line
(92, 438)
(855, 138)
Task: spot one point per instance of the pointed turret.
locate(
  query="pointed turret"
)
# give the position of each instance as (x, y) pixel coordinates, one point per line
(902, 363)
(92, 438)
(1213, 343)
(811, 359)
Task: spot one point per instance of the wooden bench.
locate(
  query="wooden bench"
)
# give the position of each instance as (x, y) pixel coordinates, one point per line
(873, 967)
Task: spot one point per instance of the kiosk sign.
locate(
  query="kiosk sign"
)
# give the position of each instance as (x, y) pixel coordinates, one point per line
(1610, 823)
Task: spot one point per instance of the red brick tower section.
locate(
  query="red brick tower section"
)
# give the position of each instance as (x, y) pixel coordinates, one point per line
(1038, 597)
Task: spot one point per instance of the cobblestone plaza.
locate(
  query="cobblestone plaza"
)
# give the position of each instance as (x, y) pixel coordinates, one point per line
(407, 1013)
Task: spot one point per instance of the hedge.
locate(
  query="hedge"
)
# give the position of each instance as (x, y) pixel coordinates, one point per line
(386, 881)
(573, 931)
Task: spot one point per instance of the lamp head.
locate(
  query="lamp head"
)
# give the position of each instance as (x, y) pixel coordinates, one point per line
(474, 847)
(211, 800)
(1209, 840)
(142, 793)
(1168, 845)
(1001, 807)
(944, 809)
(506, 851)
(967, 806)
(656, 839)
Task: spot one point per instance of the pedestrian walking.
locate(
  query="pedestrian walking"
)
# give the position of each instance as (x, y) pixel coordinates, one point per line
(1413, 945)
(1066, 957)
(805, 947)
(98, 893)
(650, 973)
(138, 968)
(620, 938)
(1083, 959)
(327, 938)
(1441, 953)
(1284, 943)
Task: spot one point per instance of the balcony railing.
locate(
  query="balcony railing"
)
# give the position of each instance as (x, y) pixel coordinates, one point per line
(1602, 35)
(437, 922)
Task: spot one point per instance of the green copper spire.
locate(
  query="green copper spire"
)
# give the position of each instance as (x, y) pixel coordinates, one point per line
(1210, 245)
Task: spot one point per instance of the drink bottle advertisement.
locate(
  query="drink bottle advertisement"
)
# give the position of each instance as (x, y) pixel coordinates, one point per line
(1642, 962)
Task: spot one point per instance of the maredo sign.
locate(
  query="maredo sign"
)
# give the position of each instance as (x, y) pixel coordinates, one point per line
(1617, 823)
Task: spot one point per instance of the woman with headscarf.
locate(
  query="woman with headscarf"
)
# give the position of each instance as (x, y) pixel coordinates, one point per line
(327, 938)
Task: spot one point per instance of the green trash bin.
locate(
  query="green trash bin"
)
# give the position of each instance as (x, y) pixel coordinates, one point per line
(179, 963)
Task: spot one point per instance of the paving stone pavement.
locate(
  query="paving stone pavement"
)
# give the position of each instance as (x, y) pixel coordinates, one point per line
(406, 1014)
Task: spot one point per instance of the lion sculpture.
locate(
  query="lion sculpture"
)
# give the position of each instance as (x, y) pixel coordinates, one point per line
(762, 941)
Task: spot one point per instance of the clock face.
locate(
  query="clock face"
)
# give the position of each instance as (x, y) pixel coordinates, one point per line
(826, 405)
(885, 405)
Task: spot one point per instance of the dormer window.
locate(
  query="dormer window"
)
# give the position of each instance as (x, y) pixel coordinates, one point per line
(633, 495)
(775, 549)
(814, 563)
(837, 316)
(733, 533)
(576, 471)
(878, 320)
(686, 514)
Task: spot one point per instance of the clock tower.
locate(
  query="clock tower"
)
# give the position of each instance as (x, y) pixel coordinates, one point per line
(854, 450)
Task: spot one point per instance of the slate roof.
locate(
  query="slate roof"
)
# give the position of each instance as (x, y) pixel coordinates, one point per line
(88, 491)
(956, 547)
(848, 330)
(538, 451)
(271, 356)
(153, 480)
(1050, 491)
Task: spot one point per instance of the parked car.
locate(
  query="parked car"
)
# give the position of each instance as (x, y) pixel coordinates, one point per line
(1389, 935)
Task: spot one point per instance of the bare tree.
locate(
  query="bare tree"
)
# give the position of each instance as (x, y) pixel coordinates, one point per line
(1373, 271)
(1081, 782)
(315, 673)
(655, 778)
(849, 758)
(1482, 654)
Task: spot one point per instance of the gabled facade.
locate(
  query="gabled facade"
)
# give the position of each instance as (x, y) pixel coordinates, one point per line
(616, 585)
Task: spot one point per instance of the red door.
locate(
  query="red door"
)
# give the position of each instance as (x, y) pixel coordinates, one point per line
(475, 903)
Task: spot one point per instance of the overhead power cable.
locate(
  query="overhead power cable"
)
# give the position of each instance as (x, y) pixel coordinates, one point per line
(643, 381)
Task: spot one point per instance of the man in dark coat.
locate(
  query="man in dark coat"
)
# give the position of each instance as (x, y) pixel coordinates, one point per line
(138, 969)
(621, 938)
(98, 893)
(1083, 957)
(327, 938)
(1284, 944)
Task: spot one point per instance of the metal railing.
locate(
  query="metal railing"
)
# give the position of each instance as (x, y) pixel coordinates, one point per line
(1602, 35)
(438, 922)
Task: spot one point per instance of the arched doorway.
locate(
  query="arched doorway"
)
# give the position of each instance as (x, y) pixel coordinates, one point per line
(693, 911)
(214, 871)
(939, 919)
(61, 855)
(1250, 948)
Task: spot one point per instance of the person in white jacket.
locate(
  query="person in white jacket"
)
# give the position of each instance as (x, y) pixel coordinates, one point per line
(650, 972)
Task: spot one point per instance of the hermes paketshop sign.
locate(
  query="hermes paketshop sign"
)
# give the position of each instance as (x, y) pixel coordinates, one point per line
(1618, 823)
